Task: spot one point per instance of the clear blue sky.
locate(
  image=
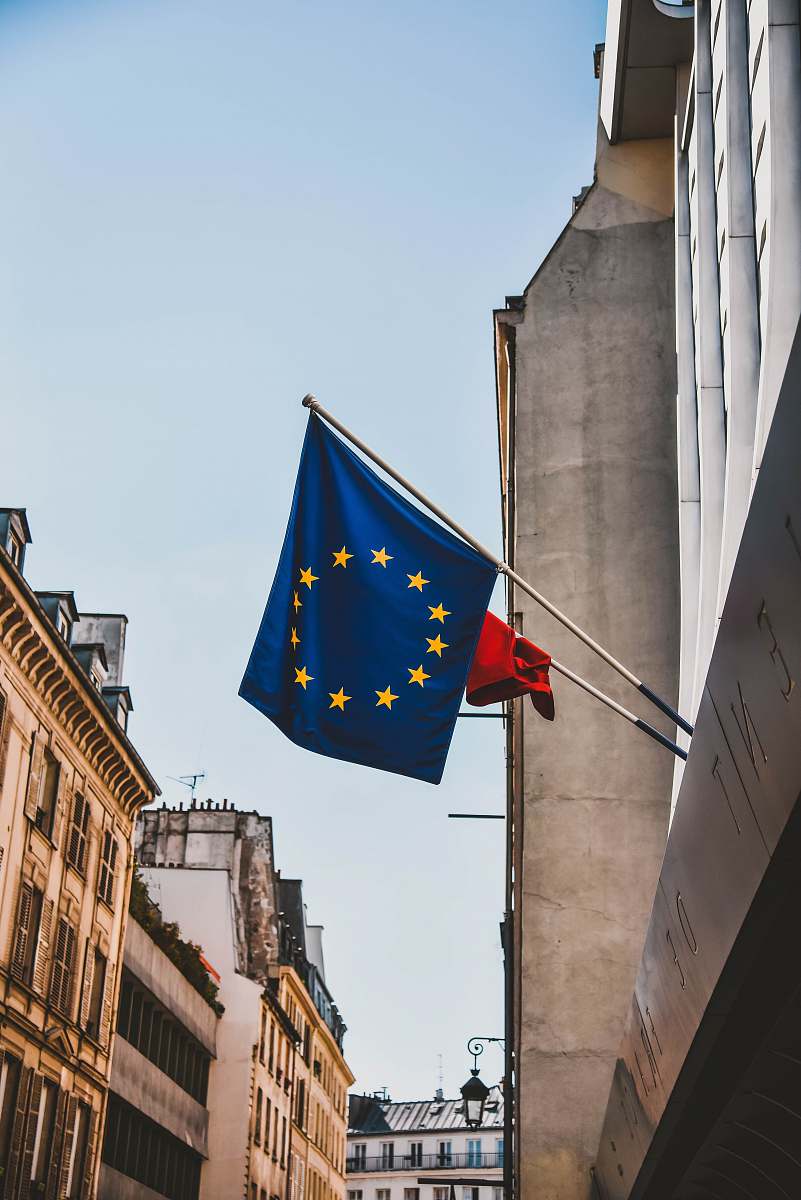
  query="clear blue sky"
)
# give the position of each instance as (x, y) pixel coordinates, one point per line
(209, 209)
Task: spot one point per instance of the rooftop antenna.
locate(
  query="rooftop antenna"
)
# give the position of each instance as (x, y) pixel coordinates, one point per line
(440, 1094)
(189, 781)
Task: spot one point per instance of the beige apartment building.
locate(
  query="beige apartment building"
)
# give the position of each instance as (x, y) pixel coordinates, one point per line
(71, 784)
(277, 1097)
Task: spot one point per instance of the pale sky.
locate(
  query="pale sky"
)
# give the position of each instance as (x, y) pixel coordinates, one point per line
(209, 209)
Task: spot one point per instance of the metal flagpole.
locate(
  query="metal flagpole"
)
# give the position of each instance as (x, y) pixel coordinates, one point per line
(310, 402)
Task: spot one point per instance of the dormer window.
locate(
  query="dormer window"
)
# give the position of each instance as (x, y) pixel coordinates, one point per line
(63, 625)
(15, 550)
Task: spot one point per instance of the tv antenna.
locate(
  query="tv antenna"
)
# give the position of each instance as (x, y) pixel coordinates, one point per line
(440, 1072)
(189, 781)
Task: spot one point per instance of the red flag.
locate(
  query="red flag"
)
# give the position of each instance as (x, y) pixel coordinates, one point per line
(505, 666)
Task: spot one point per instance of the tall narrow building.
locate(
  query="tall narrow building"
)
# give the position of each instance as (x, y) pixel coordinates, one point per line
(71, 784)
(277, 1095)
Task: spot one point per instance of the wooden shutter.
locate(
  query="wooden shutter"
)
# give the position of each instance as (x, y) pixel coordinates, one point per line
(61, 812)
(5, 734)
(20, 933)
(24, 1189)
(76, 846)
(18, 1133)
(34, 776)
(108, 1005)
(89, 1168)
(66, 1152)
(54, 1166)
(88, 978)
(63, 959)
(43, 947)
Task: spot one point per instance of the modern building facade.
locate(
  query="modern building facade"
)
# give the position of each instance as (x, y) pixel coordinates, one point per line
(278, 1086)
(71, 784)
(637, 379)
(392, 1145)
(156, 1133)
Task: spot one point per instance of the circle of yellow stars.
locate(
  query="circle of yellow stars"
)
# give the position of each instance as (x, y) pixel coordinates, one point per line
(417, 581)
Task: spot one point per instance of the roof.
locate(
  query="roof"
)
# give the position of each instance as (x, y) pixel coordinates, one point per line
(367, 1115)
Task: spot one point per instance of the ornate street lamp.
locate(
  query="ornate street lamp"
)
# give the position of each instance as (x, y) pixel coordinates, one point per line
(475, 1091)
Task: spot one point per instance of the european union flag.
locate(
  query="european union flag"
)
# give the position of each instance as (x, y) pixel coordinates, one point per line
(372, 620)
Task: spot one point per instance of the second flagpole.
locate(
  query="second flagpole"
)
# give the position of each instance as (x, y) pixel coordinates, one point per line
(309, 401)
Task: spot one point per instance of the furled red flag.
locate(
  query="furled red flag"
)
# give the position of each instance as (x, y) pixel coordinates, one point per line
(505, 666)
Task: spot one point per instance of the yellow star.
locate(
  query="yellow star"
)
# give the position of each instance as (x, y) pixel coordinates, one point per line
(417, 675)
(386, 697)
(297, 602)
(417, 580)
(439, 614)
(302, 677)
(338, 699)
(341, 557)
(294, 639)
(436, 645)
(307, 577)
(381, 556)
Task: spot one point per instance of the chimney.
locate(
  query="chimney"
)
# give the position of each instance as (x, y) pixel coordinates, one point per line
(15, 535)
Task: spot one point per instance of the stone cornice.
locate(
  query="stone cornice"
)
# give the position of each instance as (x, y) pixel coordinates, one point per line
(41, 654)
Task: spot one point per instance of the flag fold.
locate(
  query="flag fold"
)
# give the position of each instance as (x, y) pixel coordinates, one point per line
(506, 665)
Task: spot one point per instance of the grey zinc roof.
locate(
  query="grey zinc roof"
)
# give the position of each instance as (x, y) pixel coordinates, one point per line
(367, 1115)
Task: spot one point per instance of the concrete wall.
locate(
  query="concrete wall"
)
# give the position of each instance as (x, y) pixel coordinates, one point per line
(121, 1187)
(202, 904)
(596, 531)
(150, 965)
(139, 1082)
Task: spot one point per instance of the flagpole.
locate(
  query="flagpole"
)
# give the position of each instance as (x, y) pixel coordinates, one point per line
(310, 402)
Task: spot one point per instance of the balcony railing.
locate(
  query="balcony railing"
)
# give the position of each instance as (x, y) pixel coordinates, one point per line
(421, 1162)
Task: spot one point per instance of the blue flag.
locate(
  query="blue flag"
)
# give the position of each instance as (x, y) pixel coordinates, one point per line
(372, 620)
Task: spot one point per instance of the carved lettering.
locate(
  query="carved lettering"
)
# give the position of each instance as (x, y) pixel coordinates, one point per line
(653, 1030)
(676, 959)
(684, 921)
(776, 656)
(747, 729)
(717, 774)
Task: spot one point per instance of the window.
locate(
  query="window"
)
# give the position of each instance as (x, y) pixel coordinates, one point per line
(445, 1155)
(416, 1154)
(94, 984)
(272, 1047)
(497, 1193)
(387, 1155)
(15, 549)
(63, 960)
(10, 1071)
(383, 1194)
(254, 1192)
(411, 1194)
(48, 793)
(355, 1194)
(360, 1156)
(499, 1151)
(63, 625)
(76, 847)
(283, 1142)
(146, 1152)
(257, 1123)
(442, 1193)
(300, 1115)
(26, 935)
(43, 1135)
(108, 864)
(473, 1153)
(80, 1146)
(469, 1193)
(275, 1135)
(262, 1035)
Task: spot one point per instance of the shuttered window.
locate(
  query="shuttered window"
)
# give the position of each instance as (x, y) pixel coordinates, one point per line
(108, 865)
(79, 827)
(48, 794)
(63, 965)
(10, 1074)
(26, 932)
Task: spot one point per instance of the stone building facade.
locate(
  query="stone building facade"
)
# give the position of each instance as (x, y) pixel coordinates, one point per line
(636, 375)
(71, 784)
(278, 1087)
